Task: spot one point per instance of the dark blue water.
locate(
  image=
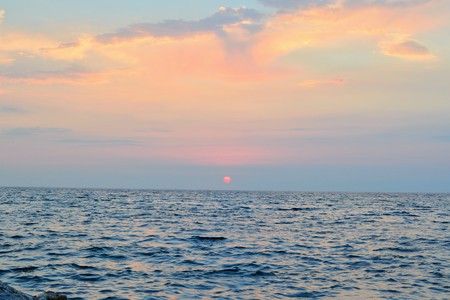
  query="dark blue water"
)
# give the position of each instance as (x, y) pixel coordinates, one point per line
(131, 244)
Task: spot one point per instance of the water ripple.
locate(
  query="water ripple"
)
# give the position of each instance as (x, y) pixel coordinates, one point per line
(144, 244)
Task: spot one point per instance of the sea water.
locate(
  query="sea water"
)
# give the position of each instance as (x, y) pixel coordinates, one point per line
(153, 244)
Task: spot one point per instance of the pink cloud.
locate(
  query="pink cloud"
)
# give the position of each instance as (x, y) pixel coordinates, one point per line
(407, 49)
(323, 27)
(232, 45)
(16, 45)
(313, 83)
(304, 4)
(63, 77)
(5, 59)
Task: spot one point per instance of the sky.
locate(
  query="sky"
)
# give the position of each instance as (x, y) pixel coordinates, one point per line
(297, 95)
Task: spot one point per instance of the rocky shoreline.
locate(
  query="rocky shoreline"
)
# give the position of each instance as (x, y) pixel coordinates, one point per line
(9, 293)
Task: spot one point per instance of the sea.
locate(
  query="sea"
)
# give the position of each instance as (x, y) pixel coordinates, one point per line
(170, 244)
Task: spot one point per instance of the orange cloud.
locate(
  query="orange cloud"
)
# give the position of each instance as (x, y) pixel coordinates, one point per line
(232, 45)
(22, 44)
(63, 77)
(313, 83)
(4, 59)
(326, 26)
(153, 58)
(408, 49)
(19, 45)
(70, 51)
(217, 47)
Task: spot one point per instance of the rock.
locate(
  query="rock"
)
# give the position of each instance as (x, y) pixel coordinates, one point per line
(50, 296)
(9, 293)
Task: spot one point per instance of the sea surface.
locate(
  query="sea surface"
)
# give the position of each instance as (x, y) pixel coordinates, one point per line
(154, 244)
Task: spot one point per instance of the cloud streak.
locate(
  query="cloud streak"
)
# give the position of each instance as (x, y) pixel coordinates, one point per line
(408, 49)
(7, 109)
(246, 19)
(315, 83)
(72, 74)
(304, 4)
(295, 4)
(63, 135)
(16, 45)
(99, 142)
(35, 131)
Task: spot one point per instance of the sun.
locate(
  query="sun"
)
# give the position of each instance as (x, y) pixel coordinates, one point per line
(227, 179)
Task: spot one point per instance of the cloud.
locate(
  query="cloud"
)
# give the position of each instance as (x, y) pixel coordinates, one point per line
(314, 83)
(24, 45)
(154, 130)
(20, 45)
(295, 4)
(245, 18)
(43, 71)
(25, 60)
(407, 49)
(339, 26)
(35, 131)
(388, 3)
(65, 136)
(5, 59)
(99, 142)
(284, 5)
(40, 79)
(6, 109)
(219, 44)
(71, 51)
(40, 73)
(219, 154)
(233, 44)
